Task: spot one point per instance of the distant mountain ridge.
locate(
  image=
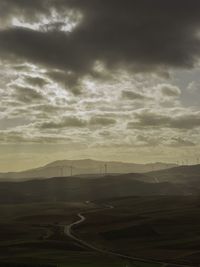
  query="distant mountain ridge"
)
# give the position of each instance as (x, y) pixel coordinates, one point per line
(182, 180)
(64, 168)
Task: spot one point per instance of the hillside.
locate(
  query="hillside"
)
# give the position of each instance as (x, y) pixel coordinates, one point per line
(65, 168)
(78, 189)
(181, 174)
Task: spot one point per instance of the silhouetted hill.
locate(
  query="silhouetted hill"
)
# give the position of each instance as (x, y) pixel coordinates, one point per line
(182, 174)
(64, 168)
(78, 189)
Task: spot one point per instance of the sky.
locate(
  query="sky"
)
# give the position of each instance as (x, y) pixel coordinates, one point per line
(101, 79)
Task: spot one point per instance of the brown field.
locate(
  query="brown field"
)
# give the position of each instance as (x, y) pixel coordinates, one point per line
(155, 228)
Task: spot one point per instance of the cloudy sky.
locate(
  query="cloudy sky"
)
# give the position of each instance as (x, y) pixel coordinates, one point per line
(102, 79)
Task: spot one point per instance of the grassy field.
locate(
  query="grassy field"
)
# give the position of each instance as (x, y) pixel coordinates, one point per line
(92, 264)
(32, 235)
(111, 264)
(158, 228)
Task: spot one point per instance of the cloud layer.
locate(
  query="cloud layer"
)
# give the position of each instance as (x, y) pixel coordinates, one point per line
(132, 33)
(101, 75)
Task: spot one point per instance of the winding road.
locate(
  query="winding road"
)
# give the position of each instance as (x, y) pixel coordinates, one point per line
(69, 231)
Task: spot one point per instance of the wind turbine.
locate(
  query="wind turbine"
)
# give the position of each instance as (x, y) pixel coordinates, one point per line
(71, 170)
(106, 168)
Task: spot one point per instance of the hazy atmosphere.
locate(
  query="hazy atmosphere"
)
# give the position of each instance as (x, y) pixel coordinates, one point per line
(108, 80)
(99, 133)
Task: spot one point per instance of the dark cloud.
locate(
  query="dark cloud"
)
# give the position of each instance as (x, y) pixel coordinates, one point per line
(151, 119)
(26, 94)
(105, 134)
(103, 121)
(179, 142)
(36, 81)
(169, 90)
(14, 137)
(7, 123)
(68, 80)
(29, 9)
(130, 33)
(145, 140)
(49, 109)
(133, 95)
(66, 122)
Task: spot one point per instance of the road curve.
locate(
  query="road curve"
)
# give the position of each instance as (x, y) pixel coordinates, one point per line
(68, 230)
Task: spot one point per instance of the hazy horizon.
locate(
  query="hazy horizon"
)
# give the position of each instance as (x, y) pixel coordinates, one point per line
(42, 164)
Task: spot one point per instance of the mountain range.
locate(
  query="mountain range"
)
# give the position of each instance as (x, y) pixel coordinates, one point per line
(84, 167)
(183, 180)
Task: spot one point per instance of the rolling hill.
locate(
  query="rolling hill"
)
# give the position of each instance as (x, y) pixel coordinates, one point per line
(182, 174)
(65, 168)
(78, 189)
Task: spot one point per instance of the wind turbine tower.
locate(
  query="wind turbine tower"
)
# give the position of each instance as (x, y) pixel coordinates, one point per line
(106, 168)
(71, 170)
